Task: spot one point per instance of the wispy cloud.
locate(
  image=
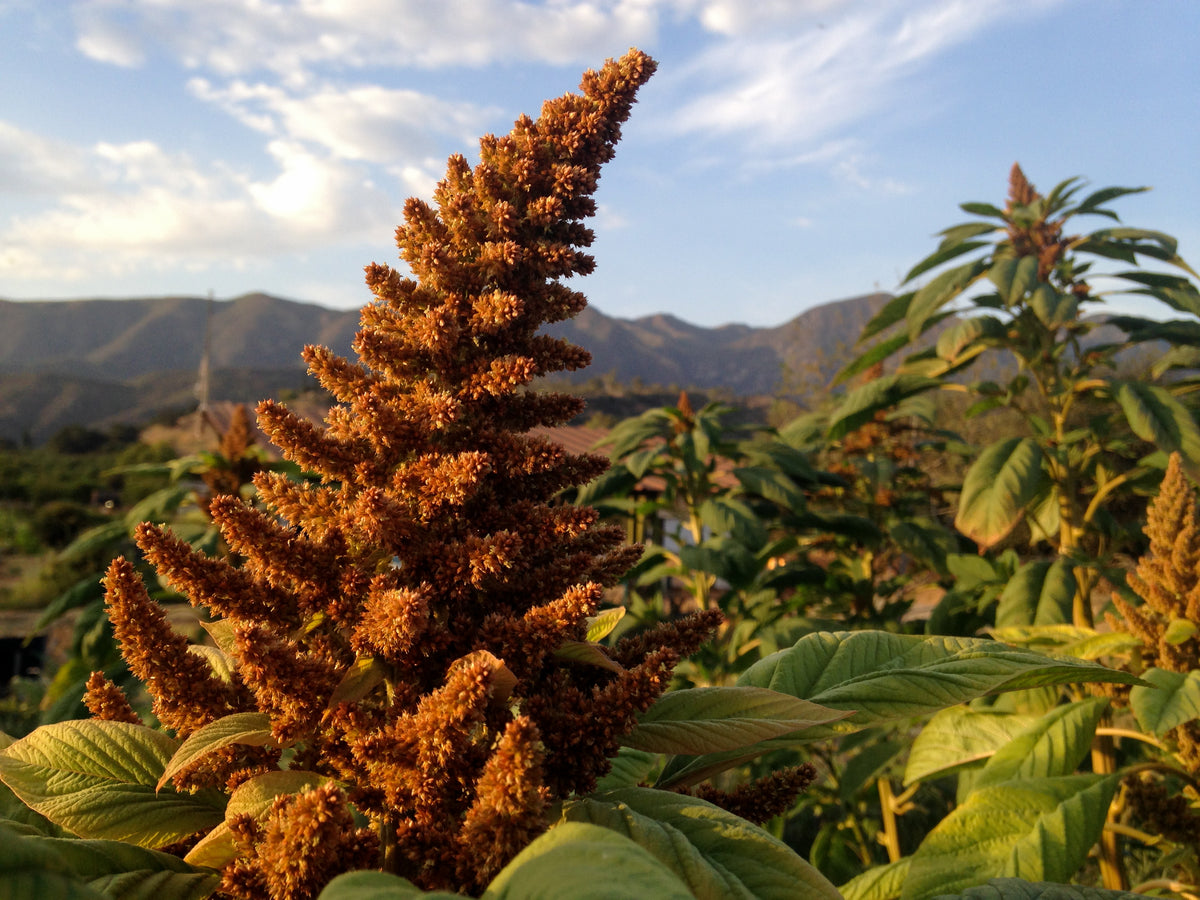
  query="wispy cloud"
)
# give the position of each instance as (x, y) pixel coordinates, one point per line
(235, 37)
(806, 79)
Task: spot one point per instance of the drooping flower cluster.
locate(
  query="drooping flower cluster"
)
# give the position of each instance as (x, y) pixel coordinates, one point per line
(398, 620)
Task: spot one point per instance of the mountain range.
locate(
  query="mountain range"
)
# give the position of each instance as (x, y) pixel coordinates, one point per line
(98, 362)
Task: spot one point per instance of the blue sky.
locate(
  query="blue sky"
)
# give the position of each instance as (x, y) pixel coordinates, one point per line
(787, 153)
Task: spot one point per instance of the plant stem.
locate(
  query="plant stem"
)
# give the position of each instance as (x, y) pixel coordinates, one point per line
(1104, 762)
(887, 803)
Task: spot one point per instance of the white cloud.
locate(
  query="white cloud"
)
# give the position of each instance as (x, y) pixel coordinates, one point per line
(290, 37)
(804, 80)
(363, 122)
(34, 165)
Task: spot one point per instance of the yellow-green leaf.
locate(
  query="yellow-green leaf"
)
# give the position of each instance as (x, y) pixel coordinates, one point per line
(998, 488)
(250, 728)
(97, 779)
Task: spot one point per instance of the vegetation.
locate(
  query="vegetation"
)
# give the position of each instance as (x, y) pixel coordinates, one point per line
(854, 650)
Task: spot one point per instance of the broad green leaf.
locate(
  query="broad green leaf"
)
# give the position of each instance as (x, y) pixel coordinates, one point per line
(126, 872)
(1173, 698)
(601, 625)
(982, 209)
(1157, 417)
(969, 332)
(948, 250)
(1092, 202)
(31, 870)
(577, 859)
(588, 654)
(727, 515)
(883, 677)
(958, 737)
(1055, 744)
(1180, 630)
(861, 403)
(893, 311)
(1014, 278)
(97, 779)
(940, 291)
(997, 488)
(361, 677)
(223, 666)
(252, 728)
(378, 886)
(878, 883)
(1040, 593)
(772, 484)
(253, 797)
(221, 632)
(715, 719)
(1019, 889)
(1068, 640)
(885, 349)
(716, 854)
(1052, 308)
(1040, 829)
(629, 769)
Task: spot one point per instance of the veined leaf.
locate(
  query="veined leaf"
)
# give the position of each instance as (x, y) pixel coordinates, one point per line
(629, 769)
(1040, 830)
(1173, 700)
(715, 719)
(716, 854)
(361, 677)
(940, 291)
(601, 625)
(861, 403)
(1055, 744)
(587, 653)
(1053, 309)
(885, 349)
(877, 883)
(1020, 889)
(119, 870)
(1014, 278)
(958, 737)
(1156, 416)
(577, 859)
(998, 487)
(955, 340)
(29, 869)
(893, 311)
(254, 798)
(252, 728)
(949, 249)
(883, 677)
(363, 885)
(97, 779)
(1040, 593)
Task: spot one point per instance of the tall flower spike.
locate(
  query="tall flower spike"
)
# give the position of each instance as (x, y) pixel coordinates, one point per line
(399, 620)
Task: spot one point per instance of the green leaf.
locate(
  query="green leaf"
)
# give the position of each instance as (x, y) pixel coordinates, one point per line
(1014, 278)
(958, 737)
(1053, 745)
(893, 311)
(1092, 202)
(1040, 593)
(31, 869)
(716, 854)
(884, 677)
(878, 883)
(1040, 830)
(982, 209)
(1155, 416)
(1019, 889)
(998, 487)
(861, 403)
(629, 769)
(588, 654)
(378, 886)
(254, 798)
(715, 719)
(577, 859)
(956, 340)
(1173, 699)
(601, 625)
(126, 872)
(885, 349)
(947, 251)
(1180, 630)
(772, 485)
(97, 779)
(252, 728)
(1053, 309)
(940, 291)
(360, 678)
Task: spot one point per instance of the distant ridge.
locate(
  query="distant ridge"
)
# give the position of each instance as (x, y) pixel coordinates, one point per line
(95, 362)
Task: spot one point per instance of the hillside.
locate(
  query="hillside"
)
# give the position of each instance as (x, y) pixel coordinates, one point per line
(94, 362)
